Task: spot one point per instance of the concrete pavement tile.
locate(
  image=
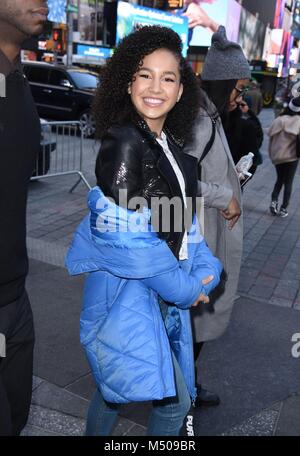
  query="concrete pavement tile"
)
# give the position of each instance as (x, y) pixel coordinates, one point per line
(34, 270)
(128, 427)
(287, 289)
(266, 281)
(250, 366)
(59, 357)
(272, 270)
(255, 256)
(276, 406)
(53, 421)
(249, 272)
(281, 302)
(279, 259)
(245, 283)
(265, 250)
(36, 382)
(296, 305)
(34, 431)
(289, 420)
(261, 291)
(267, 243)
(259, 425)
(136, 430)
(243, 287)
(287, 274)
(51, 396)
(83, 387)
(48, 253)
(257, 265)
(275, 238)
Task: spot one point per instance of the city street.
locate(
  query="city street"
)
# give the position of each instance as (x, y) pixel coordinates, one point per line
(251, 366)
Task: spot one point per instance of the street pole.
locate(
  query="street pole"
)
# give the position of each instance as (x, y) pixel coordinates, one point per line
(70, 35)
(78, 15)
(96, 20)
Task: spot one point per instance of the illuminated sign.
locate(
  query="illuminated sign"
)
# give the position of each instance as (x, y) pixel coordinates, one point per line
(130, 17)
(175, 4)
(93, 51)
(57, 11)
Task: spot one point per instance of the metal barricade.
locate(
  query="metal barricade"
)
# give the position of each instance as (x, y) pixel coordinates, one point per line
(61, 151)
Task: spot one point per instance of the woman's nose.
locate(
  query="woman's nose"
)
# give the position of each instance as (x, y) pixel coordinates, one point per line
(155, 85)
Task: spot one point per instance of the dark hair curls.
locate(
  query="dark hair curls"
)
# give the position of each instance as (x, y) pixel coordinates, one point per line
(112, 104)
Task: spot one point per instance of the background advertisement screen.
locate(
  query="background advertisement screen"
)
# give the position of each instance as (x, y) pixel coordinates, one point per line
(93, 51)
(131, 17)
(214, 13)
(57, 11)
(252, 36)
(233, 20)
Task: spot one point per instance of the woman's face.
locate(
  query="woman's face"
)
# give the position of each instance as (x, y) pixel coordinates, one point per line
(237, 94)
(156, 88)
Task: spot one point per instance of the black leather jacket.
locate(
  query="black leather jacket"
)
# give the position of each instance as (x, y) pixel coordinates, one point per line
(131, 159)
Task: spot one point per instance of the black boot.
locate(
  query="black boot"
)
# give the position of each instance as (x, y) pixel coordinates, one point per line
(205, 398)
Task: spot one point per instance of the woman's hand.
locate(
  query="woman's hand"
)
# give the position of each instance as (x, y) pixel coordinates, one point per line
(232, 213)
(202, 297)
(197, 16)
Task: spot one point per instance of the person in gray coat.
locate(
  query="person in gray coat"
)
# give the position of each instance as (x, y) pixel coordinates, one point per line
(224, 79)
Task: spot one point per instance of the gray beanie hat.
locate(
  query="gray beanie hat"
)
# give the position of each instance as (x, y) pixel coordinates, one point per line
(225, 60)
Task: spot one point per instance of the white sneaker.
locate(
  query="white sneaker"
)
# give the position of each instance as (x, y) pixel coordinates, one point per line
(283, 212)
(274, 208)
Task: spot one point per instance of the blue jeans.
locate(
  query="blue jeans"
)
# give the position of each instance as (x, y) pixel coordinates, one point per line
(166, 417)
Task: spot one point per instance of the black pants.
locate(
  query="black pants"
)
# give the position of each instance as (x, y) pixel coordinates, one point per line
(285, 176)
(16, 323)
(197, 349)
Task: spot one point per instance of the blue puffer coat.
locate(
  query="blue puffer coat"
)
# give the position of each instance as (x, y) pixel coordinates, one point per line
(126, 340)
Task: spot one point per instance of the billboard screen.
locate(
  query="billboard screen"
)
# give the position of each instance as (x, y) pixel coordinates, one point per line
(130, 17)
(93, 51)
(57, 11)
(233, 20)
(211, 14)
(252, 35)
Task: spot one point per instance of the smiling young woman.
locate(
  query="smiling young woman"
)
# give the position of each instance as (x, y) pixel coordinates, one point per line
(140, 281)
(156, 88)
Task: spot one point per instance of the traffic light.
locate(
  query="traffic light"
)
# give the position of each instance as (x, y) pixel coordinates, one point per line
(58, 39)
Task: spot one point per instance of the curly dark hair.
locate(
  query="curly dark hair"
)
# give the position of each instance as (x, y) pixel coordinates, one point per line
(112, 104)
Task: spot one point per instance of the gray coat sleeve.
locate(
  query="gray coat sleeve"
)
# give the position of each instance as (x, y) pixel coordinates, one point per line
(215, 195)
(214, 187)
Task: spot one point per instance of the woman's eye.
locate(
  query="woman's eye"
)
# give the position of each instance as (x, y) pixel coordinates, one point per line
(169, 80)
(146, 76)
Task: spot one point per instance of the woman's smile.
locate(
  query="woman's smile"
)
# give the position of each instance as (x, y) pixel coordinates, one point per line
(153, 102)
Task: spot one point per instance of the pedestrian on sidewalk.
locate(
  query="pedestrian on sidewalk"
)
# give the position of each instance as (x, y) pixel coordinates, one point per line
(244, 134)
(284, 151)
(19, 143)
(135, 322)
(224, 82)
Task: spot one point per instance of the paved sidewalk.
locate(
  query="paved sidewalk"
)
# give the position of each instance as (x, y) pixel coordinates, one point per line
(251, 366)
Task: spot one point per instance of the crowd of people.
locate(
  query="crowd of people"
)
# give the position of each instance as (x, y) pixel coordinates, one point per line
(158, 284)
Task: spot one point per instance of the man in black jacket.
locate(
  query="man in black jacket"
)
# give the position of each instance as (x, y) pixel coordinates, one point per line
(19, 146)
